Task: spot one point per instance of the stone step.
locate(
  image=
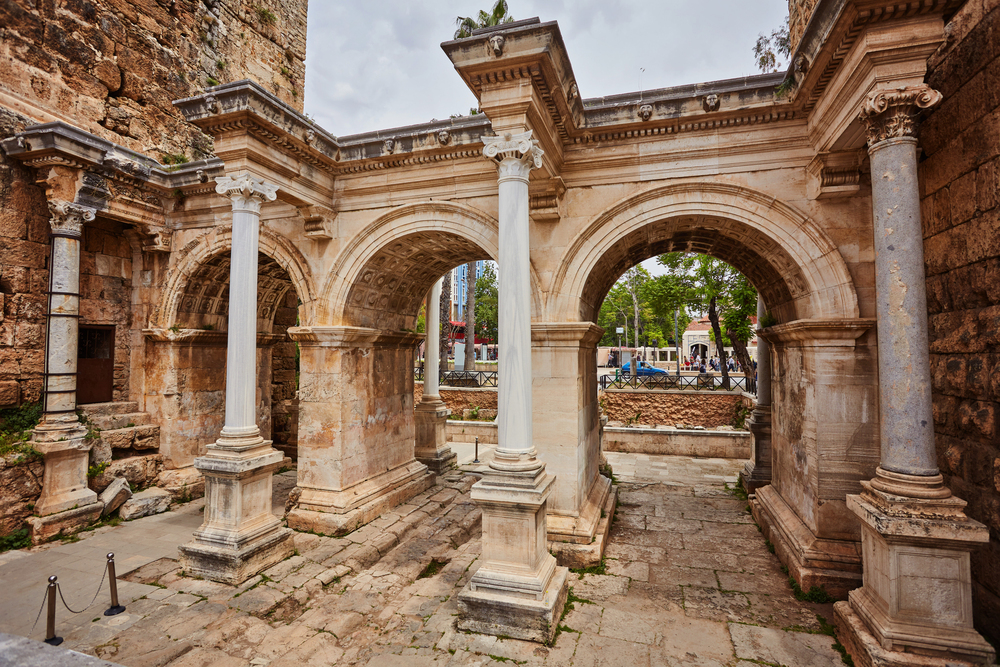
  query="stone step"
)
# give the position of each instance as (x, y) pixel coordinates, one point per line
(102, 409)
(121, 420)
(144, 437)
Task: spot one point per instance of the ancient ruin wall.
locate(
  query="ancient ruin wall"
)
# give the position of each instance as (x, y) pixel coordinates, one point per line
(960, 189)
(799, 13)
(652, 408)
(114, 67)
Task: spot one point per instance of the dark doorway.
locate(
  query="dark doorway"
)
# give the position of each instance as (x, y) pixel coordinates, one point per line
(95, 365)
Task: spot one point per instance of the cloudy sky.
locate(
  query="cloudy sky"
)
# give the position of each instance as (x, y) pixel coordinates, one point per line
(378, 64)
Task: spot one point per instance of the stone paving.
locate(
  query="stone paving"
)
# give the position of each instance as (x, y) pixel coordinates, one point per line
(688, 580)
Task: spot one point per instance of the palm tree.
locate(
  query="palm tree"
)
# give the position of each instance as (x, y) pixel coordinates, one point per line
(496, 16)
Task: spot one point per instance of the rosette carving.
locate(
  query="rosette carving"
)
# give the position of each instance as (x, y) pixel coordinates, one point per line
(889, 114)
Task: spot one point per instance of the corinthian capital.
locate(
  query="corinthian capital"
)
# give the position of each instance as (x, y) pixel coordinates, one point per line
(888, 114)
(246, 192)
(67, 218)
(515, 154)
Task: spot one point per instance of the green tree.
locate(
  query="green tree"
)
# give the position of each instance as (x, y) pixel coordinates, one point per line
(709, 283)
(769, 48)
(496, 16)
(487, 303)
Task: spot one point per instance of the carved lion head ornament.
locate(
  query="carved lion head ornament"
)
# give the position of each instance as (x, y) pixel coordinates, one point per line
(496, 43)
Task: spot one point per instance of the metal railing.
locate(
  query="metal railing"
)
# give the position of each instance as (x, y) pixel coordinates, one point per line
(461, 378)
(701, 382)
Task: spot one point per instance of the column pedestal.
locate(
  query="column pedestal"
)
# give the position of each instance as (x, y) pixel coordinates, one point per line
(915, 607)
(430, 419)
(519, 591)
(757, 471)
(240, 536)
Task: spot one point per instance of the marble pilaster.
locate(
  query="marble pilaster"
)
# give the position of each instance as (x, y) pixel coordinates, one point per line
(240, 536)
(519, 590)
(916, 599)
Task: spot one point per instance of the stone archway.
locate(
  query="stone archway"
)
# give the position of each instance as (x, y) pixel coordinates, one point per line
(185, 361)
(824, 425)
(357, 427)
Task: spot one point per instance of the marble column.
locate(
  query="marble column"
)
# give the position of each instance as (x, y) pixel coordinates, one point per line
(431, 414)
(519, 591)
(757, 472)
(66, 503)
(916, 539)
(240, 536)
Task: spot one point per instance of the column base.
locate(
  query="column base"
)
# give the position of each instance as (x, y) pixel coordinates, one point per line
(339, 512)
(239, 537)
(492, 613)
(580, 541)
(64, 483)
(67, 522)
(834, 565)
(431, 448)
(233, 566)
(917, 595)
(757, 472)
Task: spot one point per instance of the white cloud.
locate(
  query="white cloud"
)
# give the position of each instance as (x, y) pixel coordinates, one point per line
(378, 64)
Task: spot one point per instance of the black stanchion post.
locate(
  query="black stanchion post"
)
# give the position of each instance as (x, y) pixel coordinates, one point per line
(476, 460)
(115, 608)
(50, 617)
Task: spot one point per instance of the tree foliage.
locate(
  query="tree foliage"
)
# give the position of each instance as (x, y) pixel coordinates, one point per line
(654, 298)
(709, 284)
(769, 48)
(487, 303)
(497, 15)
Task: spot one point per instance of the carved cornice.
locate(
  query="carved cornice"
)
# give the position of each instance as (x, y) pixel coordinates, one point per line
(318, 222)
(893, 114)
(246, 192)
(67, 219)
(515, 154)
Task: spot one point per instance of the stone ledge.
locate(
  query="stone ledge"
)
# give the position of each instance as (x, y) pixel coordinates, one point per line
(575, 556)
(328, 523)
(678, 442)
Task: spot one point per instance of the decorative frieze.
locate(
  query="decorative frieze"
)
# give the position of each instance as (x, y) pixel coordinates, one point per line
(889, 114)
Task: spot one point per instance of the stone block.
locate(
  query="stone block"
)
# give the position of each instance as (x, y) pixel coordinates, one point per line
(115, 495)
(146, 437)
(140, 471)
(9, 394)
(145, 503)
(68, 522)
(121, 438)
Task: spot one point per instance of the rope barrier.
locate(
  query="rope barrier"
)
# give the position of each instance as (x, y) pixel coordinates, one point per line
(73, 611)
(45, 596)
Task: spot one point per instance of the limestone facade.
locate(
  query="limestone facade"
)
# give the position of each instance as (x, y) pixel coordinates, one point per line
(773, 181)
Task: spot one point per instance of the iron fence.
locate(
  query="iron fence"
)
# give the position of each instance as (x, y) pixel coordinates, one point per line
(701, 382)
(461, 378)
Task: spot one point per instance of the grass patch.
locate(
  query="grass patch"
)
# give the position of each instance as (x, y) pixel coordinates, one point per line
(600, 568)
(18, 539)
(16, 425)
(767, 543)
(432, 568)
(265, 15)
(815, 594)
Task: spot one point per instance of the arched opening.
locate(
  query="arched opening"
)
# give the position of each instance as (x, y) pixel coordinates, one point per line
(823, 361)
(186, 352)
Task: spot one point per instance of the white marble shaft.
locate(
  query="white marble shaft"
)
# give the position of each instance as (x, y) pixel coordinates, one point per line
(516, 155)
(763, 361)
(247, 194)
(62, 340)
(432, 353)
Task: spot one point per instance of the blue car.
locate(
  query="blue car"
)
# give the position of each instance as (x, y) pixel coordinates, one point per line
(643, 370)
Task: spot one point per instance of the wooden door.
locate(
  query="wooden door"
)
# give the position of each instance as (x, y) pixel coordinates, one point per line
(95, 365)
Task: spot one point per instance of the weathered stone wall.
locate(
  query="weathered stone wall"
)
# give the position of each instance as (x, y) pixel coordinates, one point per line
(284, 406)
(114, 67)
(458, 400)
(21, 482)
(960, 189)
(105, 281)
(799, 12)
(669, 408)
